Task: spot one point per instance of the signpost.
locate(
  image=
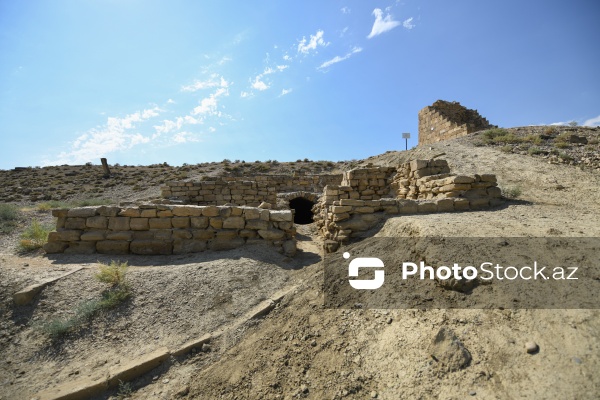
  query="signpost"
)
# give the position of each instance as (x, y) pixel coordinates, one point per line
(406, 136)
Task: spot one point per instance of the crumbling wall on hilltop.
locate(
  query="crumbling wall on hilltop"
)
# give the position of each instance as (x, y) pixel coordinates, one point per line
(445, 120)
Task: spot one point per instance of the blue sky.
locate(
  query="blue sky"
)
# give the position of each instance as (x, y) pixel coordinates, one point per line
(182, 81)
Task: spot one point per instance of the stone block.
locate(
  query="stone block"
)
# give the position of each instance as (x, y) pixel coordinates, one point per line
(119, 235)
(203, 234)
(93, 236)
(71, 235)
(418, 164)
(75, 223)
(164, 213)
(226, 235)
(488, 178)
(118, 223)
(248, 233)
(150, 247)
(265, 215)
(251, 213)
(407, 207)
(216, 222)
(148, 213)
(184, 246)
(181, 234)
(108, 211)
(364, 210)
(445, 205)
(257, 224)
(162, 234)
(60, 213)
(427, 207)
(271, 234)
(479, 203)
(340, 217)
(461, 204)
(143, 235)
(139, 224)
(187, 211)
(97, 222)
(494, 192)
(180, 222)
(81, 248)
(55, 247)
(130, 212)
(210, 211)
(234, 223)
(228, 244)
(281, 215)
(352, 202)
(160, 223)
(341, 209)
(199, 222)
(455, 186)
(81, 212)
(112, 247)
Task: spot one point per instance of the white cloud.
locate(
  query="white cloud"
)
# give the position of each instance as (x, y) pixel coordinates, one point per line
(214, 81)
(315, 40)
(170, 101)
(258, 84)
(345, 10)
(285, 91)
(338, 59)
(208, 105)
(382, 24)
(115, 135)
(184, 137)
(244, 95)
(212, 129)
(408, 23)
(287, 58)
(592, 121)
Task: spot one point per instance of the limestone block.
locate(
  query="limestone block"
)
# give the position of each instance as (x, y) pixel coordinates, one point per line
(164, 213)
(180, 222)
(455, 187)
(340, 217)
(248, 233)
(216, 222)
(118, 223)
(407, 207)
(203, 234)
(226, 234)
(184, 246)
(251, 213)
(119, 235)
(143, 235)
(160, 223)
(139, 224)
(494, 192)
(479, 203)
(162, 234)
(198, 222)
(475, 193)
(352, 202)
(445, 205)
(265, 215)
(234, 222)
(60, 213)
(97, 222)
(286, 225)
(112, 247)
(93, 236)
(55, 247)
(281, 215)
(75, 223)
(488, 178)
(257, 224)
(181, 234)
(71, 235)
(149, 213)
(364, 210)
(148, 247)
(427, 207)
(360, 222)
(210, 211)
(341, 209)
(271, 234)
(81, 212)
(461, 204)
(289, 247)
(226, 244)
(130, 212)
(81, 248)
(236, 211)
(391, 209)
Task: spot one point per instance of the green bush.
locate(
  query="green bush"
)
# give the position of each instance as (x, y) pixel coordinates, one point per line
(34, 237)
(534, 150)
(113, 274)
(512, 192)
(9, 215)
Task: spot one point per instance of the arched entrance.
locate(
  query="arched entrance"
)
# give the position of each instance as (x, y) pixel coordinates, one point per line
(302, 210)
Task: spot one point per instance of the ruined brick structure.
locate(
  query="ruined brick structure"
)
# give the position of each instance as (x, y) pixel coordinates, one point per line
(445, 120)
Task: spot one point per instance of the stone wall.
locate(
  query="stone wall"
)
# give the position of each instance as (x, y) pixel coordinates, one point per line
(168, 229)
(251, 191)
(445, 120)
(419, 186)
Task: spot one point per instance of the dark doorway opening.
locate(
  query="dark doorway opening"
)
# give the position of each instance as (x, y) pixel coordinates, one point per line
(303, 210)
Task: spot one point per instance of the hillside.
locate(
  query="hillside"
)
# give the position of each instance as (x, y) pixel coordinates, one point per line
(301, 349)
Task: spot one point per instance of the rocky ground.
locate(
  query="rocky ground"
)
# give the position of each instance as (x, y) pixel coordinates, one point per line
(301, 349)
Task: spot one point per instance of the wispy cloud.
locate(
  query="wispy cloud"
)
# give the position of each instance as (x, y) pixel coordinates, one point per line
(382, 24)
(408, 23)
(338, 59)
(208, 105)
(285, 91)
(345, 10)
(115, 135)
(315, 40)
(258, 84)
(185, 137)
(214, 81)
(592, 121)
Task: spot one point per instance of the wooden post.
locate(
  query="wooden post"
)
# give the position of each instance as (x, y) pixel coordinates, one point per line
(105, 167)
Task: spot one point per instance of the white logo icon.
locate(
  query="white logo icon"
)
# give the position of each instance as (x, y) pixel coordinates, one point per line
(365, 262)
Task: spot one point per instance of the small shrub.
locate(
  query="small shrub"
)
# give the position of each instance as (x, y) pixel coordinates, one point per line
(534, 150)
(34, 237)
(9, 215)
(535, 139)
(565, 157)
(506, 149)
(512, 192)
(562, 138)
(125, 390)
(561, 145)
(550, 130)
(573, 123)
(113, 274)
